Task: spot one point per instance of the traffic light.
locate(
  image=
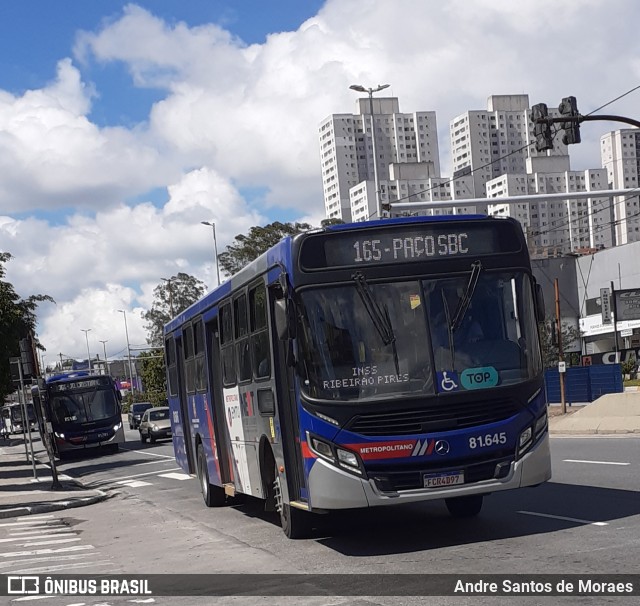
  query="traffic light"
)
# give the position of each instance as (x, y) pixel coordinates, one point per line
(27, 359)
(569, 107)
(542, 130)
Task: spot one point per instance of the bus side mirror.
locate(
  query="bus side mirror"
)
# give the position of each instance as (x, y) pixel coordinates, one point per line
(539, 296)
(280, 314)
(285, 319)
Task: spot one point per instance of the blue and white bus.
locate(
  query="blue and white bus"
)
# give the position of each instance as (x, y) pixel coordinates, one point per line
(84, 410)
(363, 365)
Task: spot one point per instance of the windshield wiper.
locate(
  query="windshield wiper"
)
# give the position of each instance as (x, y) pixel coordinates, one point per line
(461, 308)
(465, 300)
(379, 315)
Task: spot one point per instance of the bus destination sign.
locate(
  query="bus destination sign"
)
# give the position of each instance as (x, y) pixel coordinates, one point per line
(407, 244)
(79, 384)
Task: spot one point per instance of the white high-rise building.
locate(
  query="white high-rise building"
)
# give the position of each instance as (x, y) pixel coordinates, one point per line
(557, 226)
(495, 142)
(620, 154)
(347, 161)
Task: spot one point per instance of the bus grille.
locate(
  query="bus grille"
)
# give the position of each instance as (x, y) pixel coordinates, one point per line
(437, 417)
(412, 479)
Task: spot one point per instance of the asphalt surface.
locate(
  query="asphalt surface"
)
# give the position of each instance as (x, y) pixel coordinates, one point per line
(26, 483)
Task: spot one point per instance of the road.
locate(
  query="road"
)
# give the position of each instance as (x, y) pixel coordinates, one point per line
(585, 521)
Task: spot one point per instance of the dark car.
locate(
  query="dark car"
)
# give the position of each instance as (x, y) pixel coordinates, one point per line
(135, 413)
(155, 424)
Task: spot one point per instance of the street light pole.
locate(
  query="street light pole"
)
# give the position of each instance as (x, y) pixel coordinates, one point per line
(86, 334)
(215, 246)
(370, 91)
(106, 361)
(126, 332)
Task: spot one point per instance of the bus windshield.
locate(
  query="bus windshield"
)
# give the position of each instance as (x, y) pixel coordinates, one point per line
(379, 340)
(86, 406)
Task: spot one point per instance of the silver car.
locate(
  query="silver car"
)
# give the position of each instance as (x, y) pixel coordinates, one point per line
(155, 424)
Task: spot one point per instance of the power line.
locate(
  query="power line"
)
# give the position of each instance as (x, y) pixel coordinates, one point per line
(504, 157)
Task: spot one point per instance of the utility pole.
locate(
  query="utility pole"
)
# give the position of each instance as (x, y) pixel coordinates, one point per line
(561, 364)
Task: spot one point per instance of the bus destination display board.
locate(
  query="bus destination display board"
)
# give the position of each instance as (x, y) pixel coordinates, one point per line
(407, 243)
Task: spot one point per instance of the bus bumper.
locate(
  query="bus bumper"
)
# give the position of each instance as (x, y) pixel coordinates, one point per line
(334, 488)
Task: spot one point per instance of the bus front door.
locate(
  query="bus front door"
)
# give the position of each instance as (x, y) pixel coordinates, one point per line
(184, 406)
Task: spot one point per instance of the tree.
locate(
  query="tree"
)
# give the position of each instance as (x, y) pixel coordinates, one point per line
(17, 321)
(259, 239)
(549, 342)
(329, 222)
(152, 371)
(171, 297)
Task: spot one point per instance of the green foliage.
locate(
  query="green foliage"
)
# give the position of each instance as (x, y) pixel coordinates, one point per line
(17, 321)
(171, 297)
(329, 222)
(153, 376)
(259, 239)
(629, 366)
(549, 342)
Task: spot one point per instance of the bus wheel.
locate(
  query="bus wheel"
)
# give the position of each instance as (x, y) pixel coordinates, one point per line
(295, 523)
(213, 495)
(464, 507)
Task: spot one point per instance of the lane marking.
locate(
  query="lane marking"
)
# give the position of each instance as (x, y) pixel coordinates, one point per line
(151, 454)
(136, 475)
(42, 569)
(37, 538)
(135, 483)
(41, 517)
(564, 518)
(57, 558)
(33, 597)
(25, 533)
(175, 476)
(19, 554)
(53, 542)
(594, 462)
(35, 523)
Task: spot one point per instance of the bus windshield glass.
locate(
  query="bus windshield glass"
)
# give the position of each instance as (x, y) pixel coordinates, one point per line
(365, 340)
(85, 406)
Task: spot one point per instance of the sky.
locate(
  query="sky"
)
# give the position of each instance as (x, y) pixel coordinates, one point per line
(123, 125)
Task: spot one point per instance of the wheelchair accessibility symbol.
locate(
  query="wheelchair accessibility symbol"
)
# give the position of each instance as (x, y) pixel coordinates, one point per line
(448, 380)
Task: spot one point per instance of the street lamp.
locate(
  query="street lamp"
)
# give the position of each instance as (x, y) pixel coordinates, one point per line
(370, 91)
(106, 361)
(215, 246)
(86, 334)
(126, 332)
(168, 281)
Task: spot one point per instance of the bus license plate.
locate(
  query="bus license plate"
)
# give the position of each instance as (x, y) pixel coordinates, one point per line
(439, 480)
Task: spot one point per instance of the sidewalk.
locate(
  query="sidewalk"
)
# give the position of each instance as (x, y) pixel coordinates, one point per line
(614, 413)
(21, 494)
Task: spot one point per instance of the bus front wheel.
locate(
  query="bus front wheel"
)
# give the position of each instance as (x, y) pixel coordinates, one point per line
(213, 495)
(296, 524)
(464, 507)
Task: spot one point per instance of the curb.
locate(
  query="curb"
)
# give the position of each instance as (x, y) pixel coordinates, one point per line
(26, 510)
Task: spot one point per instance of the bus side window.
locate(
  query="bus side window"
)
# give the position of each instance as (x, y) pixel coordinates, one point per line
(226, 346)
(260, 351)
(241, 333)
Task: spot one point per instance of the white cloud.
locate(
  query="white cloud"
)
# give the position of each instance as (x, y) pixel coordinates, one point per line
(236, 117)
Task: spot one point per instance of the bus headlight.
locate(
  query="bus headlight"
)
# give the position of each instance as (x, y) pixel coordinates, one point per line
(541, 424)
(525, 440)
(348, 460)
(321, 448)
(154, 427)
(58, 435)
(118, 426)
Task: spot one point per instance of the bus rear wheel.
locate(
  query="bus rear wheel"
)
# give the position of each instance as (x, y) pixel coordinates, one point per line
(213, 495)
(296, 524)
(465, 507)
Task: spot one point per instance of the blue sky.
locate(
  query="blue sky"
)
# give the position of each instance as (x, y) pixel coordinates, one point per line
(124, 125)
